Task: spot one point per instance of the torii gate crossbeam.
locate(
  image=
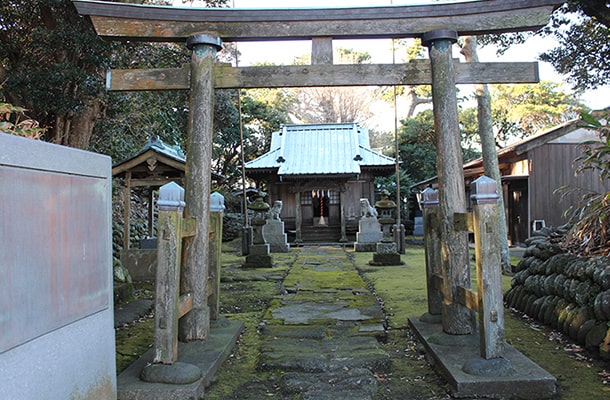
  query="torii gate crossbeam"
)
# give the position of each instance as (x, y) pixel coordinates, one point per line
(153, 23)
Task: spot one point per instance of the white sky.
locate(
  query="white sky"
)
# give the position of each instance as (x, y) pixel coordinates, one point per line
(381, 49)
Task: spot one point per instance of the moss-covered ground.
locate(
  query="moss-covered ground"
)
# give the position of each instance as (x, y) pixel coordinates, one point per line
(401, 290)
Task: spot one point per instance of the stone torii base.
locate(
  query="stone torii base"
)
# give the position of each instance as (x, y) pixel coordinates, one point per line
(526, 380)
(207, 355)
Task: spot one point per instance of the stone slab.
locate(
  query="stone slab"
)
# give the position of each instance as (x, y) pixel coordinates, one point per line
(529, 380)
(369, 230)
(208, 355)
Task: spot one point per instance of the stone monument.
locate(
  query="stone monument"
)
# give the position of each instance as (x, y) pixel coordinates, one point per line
(369, 229)
(258, 256)
(273, 230)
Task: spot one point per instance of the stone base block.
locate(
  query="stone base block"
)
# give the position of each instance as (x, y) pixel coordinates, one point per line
(386, 259)
(365, 247)
(258, 261)
(259, 249)
(386, 248)
(206, 355)
(458, 359)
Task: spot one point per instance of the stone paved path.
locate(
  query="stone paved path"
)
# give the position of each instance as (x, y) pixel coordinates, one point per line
(324, 329)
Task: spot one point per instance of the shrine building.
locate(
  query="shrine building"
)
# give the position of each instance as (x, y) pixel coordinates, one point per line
(320, 172)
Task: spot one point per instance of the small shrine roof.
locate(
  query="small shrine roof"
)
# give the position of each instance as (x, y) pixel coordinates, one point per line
(320, 149)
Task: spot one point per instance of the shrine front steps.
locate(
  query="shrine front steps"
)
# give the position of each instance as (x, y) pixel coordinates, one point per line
(323, 331)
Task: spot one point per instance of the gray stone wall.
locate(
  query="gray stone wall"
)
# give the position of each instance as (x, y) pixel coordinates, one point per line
(56, 305)
(564, 291)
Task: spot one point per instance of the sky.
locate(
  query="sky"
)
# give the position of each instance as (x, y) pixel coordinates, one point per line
(381, 49)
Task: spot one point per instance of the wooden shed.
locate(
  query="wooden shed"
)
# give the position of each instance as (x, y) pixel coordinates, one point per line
(320, 172)
(532, 171)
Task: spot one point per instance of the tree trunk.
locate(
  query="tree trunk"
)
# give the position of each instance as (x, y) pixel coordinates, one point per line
(488, 146)
(75, 130)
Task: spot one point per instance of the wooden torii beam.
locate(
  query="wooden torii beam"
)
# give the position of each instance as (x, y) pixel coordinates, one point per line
(413, 73)
(133, 22)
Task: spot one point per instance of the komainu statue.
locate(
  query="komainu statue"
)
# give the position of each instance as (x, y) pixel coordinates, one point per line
(274, 212)
(366, 209)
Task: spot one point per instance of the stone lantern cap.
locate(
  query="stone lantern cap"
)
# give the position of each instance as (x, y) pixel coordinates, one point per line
(259, 205)
(385, 202)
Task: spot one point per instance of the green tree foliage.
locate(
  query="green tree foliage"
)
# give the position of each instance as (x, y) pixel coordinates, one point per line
(523, 110)
(417, 144)
(581, 28)
(263, 111)
(51, 63)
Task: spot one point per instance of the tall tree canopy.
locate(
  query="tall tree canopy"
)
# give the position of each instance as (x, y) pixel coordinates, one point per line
(52, 63)
(581, 28)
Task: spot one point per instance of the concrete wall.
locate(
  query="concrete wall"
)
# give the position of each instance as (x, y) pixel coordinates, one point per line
(56, 311)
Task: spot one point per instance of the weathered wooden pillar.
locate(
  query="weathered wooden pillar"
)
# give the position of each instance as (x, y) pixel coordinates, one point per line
(217, 207)
(169, 257)
(488, 260)
(432, 247)
(343, 222)
(195, 325)
(457, 319)
(127, 211)
(298, 218)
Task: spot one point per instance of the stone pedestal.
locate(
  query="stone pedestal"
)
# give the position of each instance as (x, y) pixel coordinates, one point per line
(369, 233)
(386, 253)
(273, 232)
(259, 257)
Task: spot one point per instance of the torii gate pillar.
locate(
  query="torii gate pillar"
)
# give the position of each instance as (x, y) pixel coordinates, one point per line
(195, 325)
(457, 319)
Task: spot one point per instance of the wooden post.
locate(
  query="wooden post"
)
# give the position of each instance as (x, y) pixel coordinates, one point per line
(432, 246)
(217, 206)
(489, 266)
(457, 319)
(196, 324)
(298, 218)
(169, 257)
(343, 222)
(127, 211)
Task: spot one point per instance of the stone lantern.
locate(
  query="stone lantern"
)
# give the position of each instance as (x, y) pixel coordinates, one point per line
(385, 208)
(258, 257)
(386, 251)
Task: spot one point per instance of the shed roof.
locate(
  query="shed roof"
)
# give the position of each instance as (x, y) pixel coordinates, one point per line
(319, 149)
(571, 131)
(155, 158)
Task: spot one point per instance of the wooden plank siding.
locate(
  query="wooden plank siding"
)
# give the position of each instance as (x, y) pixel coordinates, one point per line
(544, 202)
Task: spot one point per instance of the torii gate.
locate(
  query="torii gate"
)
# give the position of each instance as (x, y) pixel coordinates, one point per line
(203, 30)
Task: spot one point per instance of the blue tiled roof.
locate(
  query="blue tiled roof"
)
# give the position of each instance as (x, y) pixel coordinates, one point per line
(320, 149)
